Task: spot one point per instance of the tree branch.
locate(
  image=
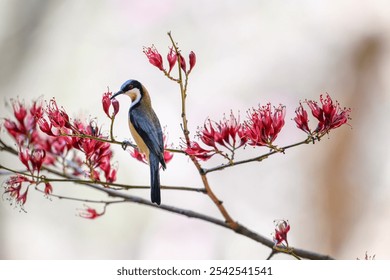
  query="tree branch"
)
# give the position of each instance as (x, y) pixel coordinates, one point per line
(258, 158)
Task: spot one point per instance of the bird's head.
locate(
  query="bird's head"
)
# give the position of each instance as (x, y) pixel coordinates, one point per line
(132, 89)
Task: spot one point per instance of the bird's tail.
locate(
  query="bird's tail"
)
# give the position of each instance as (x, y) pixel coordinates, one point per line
(155, 178)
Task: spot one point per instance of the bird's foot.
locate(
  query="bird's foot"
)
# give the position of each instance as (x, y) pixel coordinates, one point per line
(125, 144)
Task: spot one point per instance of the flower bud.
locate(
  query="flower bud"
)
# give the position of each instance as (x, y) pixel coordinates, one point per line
(172, 58)
(192, 57)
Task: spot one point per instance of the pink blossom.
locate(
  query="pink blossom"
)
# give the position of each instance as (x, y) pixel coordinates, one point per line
(154, 57)
(301, 119)
(192, 58)
(172, 59)
(282, 227)
(264, 125)
(89, 213)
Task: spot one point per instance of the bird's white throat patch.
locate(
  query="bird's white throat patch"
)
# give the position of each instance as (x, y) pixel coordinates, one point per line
(135, 96)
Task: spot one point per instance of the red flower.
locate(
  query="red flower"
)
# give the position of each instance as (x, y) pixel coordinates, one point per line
(135, 153)
(24, 157)
(37, 157)
(195, 150)
(13, 187)
(107, 103)
(167, 156)
(154, 57)
(228, 133)
(282, 227)
(172, 59)
(111, 174)
(183, 63)
(115, 106)
(48, 188)
(58, 117)
(192, 57)
(89, 213)
(301, 119)
(264, 125)
(13, 129)
(330, 115)
(21, 199)
(45, 126)
(36, 110)
(20, 111)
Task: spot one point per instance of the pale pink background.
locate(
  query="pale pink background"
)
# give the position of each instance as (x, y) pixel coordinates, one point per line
(335, 193)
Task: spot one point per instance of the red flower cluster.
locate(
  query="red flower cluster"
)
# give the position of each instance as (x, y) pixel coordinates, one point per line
(330, 115)
(155, 59)
(260, 129)
(98, 154)
(282, 227)
(264, 125)
(228, 133)
(23, 129)
(32, 160)
(60, 135)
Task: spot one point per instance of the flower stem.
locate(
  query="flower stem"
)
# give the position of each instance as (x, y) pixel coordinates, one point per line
(258, 158)
(183, 91)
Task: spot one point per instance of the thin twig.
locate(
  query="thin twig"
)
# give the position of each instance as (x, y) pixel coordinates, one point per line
(183, 87)
(74, 180)
(256, 159)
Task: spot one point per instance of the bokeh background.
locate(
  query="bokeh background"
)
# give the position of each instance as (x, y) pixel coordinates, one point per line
(334, 193)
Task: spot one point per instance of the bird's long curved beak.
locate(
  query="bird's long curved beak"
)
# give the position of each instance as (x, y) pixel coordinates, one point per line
(116, 94)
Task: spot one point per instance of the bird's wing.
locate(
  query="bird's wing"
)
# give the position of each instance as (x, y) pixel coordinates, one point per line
(148, 127)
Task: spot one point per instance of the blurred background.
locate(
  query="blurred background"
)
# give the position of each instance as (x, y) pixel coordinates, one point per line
(335, 193)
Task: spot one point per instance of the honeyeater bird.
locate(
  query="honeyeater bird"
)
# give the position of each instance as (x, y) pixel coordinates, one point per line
(146, 131)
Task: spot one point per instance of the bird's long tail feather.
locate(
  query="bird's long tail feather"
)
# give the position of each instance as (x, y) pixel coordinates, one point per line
(155, 178)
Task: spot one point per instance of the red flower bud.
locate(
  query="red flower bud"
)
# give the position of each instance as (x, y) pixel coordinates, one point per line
(48, 188)
(192, 57)
(172, 59)
(115, 106)
(183, 63)
(107, 103)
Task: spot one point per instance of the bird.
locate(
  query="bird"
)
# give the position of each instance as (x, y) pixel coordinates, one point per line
(146, 131)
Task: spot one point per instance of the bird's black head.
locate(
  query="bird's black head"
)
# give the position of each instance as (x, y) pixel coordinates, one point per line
(130, 86)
